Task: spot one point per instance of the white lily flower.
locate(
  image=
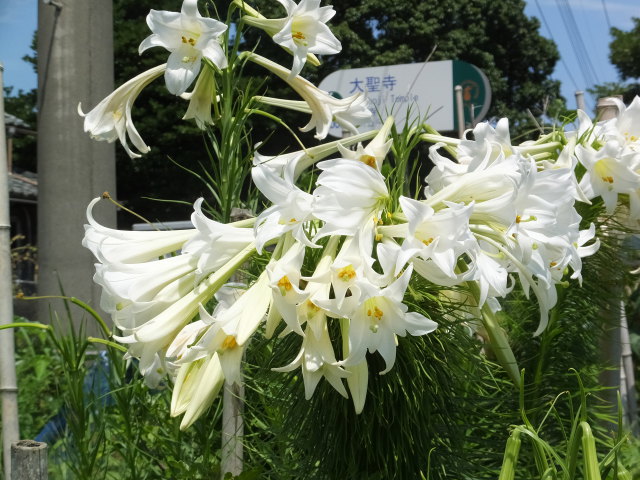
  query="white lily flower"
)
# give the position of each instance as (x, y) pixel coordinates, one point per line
(583, 250)
(349, 117)
(111, 119)
(201, 99)
(247, 313)
(215, 339)
(440, 237)
(303, 159)
(488, 141)
(197, 385)
(491, 189)
(317, 359)
(291, 208)
(131, 291)
(608, 173)
(284, 280)
(623, 129)
(567, 160)
(350, 195)
(230, 327)
(188, 36)
(491, 274)
(193, 393)
(170, 321)
(358, 374)
(302, 31)
(183, 341)
(215, 243)
(354, 263)
(626, 127)
(323, 106)
(121, 246)
(375, 151)
(376, 317)
(149, 327)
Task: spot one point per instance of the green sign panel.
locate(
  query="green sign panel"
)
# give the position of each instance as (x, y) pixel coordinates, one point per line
(476, 92)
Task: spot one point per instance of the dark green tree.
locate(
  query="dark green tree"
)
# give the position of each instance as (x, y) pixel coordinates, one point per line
(497, 37)
(156, 115)
(624, 51)
(22, 104)
(24, 148)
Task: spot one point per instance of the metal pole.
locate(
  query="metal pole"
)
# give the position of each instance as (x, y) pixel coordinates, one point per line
(8, 383)
(460, 110)
(580, 101)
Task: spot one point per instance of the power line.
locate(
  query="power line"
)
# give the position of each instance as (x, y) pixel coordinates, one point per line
(582, 55)
(564, 64)
(606, 14)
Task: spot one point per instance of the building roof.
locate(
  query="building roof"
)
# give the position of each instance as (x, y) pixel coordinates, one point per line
(23, 185)
(15, 125)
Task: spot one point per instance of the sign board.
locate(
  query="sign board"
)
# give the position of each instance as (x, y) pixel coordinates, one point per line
(418, 91)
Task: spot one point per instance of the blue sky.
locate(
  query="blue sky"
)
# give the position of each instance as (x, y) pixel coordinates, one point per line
(18, 19)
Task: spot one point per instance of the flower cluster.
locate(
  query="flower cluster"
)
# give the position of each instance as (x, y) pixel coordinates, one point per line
(341, 255)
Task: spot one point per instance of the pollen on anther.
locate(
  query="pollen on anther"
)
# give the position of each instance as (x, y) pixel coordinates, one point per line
(229, 342)
(284, 285)
(312, 306)
(369, 160)
(346, 273)
(299, 35)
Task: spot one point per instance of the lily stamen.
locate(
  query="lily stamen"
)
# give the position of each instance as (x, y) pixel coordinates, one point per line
(284, 285)
(346, 273)
(229, 342)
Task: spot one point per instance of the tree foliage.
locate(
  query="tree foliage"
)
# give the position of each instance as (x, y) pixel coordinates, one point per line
(624, 51)
(23, 105)
(156, 115)
(497, 37)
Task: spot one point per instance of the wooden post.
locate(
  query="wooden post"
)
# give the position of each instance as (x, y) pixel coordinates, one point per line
(233, 404)
(610, 342)
(627, 378)
(29, 460)
(232, 429)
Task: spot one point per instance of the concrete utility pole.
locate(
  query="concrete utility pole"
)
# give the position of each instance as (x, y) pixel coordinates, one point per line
(580, 101)
(8, 383)
(75, 64)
